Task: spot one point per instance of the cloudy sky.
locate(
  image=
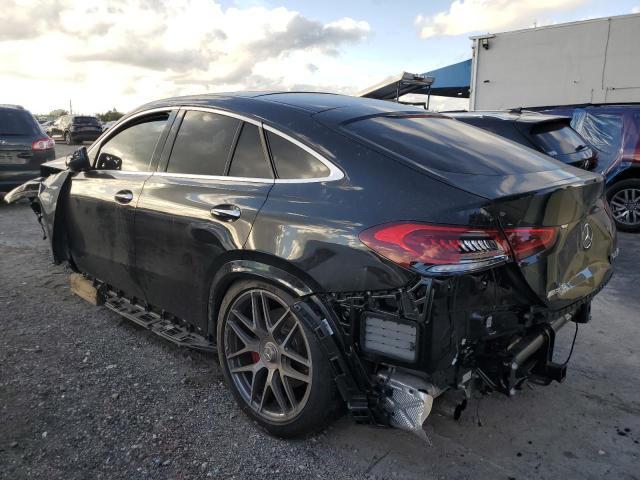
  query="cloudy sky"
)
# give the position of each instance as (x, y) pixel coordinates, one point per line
(122, 53)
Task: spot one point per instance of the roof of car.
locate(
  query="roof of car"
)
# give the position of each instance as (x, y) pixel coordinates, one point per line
(309, 102)
(11, 106)
(524, 116)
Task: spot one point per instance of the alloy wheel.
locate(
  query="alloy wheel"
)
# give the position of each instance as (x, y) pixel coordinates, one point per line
(625, 206)
(268, 355)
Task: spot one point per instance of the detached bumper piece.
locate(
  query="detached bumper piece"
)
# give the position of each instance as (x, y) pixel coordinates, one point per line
(155, 322)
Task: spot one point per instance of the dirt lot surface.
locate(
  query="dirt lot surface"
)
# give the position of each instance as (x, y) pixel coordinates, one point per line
(85, 394)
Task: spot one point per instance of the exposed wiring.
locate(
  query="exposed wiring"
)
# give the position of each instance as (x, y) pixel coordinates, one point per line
(575, 335)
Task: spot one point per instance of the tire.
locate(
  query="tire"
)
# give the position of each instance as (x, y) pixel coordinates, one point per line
(67, 139)
(624, 200)
(301, 397)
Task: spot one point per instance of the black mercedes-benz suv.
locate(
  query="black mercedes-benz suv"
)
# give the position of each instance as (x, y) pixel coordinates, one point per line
(23, 147)
(75, 128)
(335, 250)
(546, 133)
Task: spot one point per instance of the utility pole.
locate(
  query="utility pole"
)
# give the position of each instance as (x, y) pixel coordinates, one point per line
(70, 108)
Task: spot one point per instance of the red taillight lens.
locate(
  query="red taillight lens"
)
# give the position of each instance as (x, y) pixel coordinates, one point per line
(43, 144)
(529, 241)
(443, 249)
(449, 249)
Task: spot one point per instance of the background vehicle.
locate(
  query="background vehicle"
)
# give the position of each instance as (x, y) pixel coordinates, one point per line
(334, 245)
(614, 131)
(549, 134)
(23, 147)
(75, 128)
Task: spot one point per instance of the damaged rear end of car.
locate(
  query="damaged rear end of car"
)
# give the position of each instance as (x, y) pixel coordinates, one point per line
(490, 292)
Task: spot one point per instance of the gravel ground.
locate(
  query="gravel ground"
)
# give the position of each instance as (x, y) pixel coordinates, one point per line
(86, 394)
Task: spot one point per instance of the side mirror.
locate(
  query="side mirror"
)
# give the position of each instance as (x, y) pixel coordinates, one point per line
(79, 161)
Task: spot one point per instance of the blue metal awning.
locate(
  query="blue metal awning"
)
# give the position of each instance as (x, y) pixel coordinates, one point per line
(451, 81)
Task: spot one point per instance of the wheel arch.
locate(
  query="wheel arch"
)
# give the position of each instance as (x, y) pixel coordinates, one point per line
(633, 172)
(259, 266)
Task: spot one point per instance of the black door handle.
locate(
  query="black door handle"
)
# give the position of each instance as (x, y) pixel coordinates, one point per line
(226, 212)
(124, 196)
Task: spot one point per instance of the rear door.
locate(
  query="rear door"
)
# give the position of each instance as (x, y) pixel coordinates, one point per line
(101, 206)
(198, 209)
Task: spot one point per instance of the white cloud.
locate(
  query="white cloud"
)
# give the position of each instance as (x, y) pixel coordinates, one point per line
(635, 9)
(466, 16)
(127, 52)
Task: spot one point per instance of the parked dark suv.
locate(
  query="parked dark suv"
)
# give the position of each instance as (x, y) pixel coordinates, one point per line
(23, 147)
(549, 134)
(333, 248)
(75, 128)
(614, 131)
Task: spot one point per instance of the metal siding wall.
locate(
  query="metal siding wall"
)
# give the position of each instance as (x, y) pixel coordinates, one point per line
(583, 62)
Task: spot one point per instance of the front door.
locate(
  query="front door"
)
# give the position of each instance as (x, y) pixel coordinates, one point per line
(199, 209)
(102, 201)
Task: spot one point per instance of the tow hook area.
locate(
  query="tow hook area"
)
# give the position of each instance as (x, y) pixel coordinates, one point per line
(408, 400)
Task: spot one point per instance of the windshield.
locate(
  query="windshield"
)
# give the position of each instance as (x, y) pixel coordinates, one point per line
(17, 122)
(445, 144)
(85, 121)
(557, 138)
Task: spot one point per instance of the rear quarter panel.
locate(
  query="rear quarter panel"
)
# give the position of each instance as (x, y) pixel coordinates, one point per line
(315, 226)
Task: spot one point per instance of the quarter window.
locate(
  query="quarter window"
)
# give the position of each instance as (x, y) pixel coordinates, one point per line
(132, 148)
(203, 144)
(248, 159)
(292, 162)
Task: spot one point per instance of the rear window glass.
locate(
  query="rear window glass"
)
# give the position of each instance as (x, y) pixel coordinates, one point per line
(292, 162)
(17, 122)
(445, 144)
(85, 121)
(203, 144)
(557, 139)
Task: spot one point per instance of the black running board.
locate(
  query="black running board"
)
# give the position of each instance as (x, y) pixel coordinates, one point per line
(159, 325)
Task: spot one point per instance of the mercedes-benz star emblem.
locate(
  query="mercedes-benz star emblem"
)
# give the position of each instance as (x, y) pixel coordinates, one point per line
(587, 236)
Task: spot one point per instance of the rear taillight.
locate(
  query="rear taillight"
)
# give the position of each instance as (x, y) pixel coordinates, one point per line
(43, 144)
(453, 249)
(528, 241)
(438, 248)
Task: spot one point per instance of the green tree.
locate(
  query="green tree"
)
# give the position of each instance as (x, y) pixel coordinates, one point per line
(110, 115)
(57, 113)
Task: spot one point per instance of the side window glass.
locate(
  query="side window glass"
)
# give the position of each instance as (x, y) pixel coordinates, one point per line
(132, 148)
(248, 158)
(203, 143)
(292, 162)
